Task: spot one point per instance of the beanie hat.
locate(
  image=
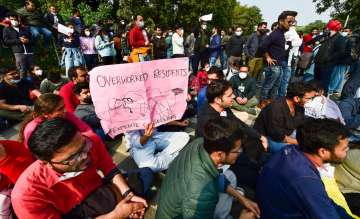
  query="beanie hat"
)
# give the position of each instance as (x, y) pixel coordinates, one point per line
(334, 25)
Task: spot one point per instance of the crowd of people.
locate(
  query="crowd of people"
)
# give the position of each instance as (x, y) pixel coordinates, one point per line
(300, 158)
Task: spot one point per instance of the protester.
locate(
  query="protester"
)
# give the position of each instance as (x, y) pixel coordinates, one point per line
(189, 50)
(159, 43)
(105, 47)
(67, 164)
(18, 38)
(201, 46)
(138, 41)
(36, 22)
(178, 42)
(350, 109)
(320, 141)
(86, 110)
(72, 56)
(15, 100)
(224, 44)
(53, 18)
(252, 52)
(14, 159)
(168, 40)
(153, 149)
(214, 46)
(279, 120)
(331, 54)
(236, 45)
(348, 179)
(76, 75)
(213, 74)
(52, 83)
(48, 106)
(197, 194)
(274, 49)
(87, 45)
(244, 87)
(77, 21)
(36, 75)
(200, 80)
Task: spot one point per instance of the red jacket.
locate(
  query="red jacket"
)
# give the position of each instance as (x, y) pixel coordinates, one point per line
(136, 37)
(17, 159)
(70, 100)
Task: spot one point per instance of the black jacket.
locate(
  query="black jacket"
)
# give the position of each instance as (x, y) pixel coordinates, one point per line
(334, 51)
(160, 47)
(12, 39)
(235, 46)
(49, 17)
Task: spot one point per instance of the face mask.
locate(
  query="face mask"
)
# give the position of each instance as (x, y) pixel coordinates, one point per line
(242, 75)
(141, 23)
(14, 23)
(87, 33)
(344, 34)
(238, 33)
(170, 33)
(182, 32)
(38, 72)
(15, 81)
(204, 26)
(316, 107)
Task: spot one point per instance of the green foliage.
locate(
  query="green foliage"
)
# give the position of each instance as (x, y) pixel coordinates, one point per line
(316, 24)
(341, 9)
(246, 17)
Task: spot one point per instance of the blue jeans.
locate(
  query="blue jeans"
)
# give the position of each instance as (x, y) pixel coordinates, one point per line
(285, 78)
(337, 78)
(271, 82)
(212, 61)
(71, 57)
(159, 151)
(192, 62)
(36, 31)
(223, 59)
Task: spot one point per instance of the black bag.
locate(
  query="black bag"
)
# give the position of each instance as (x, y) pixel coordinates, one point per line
(305, 60)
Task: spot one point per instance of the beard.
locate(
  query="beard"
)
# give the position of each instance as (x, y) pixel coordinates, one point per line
(88, 100)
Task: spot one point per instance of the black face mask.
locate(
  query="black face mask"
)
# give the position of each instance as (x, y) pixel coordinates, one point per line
(88, 100)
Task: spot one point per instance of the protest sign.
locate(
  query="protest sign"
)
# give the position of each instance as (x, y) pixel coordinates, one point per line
(64, 29)
(129, 96)
(207, 17)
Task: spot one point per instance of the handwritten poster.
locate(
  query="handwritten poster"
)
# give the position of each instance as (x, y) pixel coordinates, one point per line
(129, 96)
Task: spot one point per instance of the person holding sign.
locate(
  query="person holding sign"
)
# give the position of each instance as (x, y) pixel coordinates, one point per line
(153, 149)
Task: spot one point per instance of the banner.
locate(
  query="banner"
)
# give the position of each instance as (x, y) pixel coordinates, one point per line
(129, 96)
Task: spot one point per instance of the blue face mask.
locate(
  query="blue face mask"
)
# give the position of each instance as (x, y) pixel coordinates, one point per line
(15, 81)
(142, 23)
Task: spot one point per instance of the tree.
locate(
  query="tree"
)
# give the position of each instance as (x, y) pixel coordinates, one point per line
(316, 24)
(246, 17)
(341, 10)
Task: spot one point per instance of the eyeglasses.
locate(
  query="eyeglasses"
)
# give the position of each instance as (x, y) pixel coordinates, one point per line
(84, 150)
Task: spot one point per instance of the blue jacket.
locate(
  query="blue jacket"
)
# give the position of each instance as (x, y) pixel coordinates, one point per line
(215, 46)
(290, 187)
(201, 98)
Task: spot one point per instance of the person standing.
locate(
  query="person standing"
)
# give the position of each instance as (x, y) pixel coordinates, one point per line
(178, 42)
(105, 47)
(139, 42)
(331, 56)
(225, 38)
(275, 56)
(252, 52)
(159, 43)
(18, 38)
(87, 45)
(189, 50)
(236, 45)
(201, 46)
(215, 46)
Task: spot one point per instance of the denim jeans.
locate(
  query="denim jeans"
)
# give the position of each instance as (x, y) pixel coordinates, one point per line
(337, 78)
(271, 82)
(224, 204)
(36, 31)
(285, 79)
(71, 57)
(159, 151)
(212, 61)
(223, 59)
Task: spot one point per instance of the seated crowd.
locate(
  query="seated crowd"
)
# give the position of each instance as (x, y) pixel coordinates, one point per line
(299, 160)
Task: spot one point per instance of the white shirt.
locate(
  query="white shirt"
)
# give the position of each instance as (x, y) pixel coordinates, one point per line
(178, 44)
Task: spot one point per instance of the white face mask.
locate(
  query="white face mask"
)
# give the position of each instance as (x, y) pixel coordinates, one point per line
(170, 33)
(344, 34)
(238, 33)
(14, 23)
(204, 26)
(15, 81)
(316, 107)
(242, 75)
(87, 33)
(38, 72)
